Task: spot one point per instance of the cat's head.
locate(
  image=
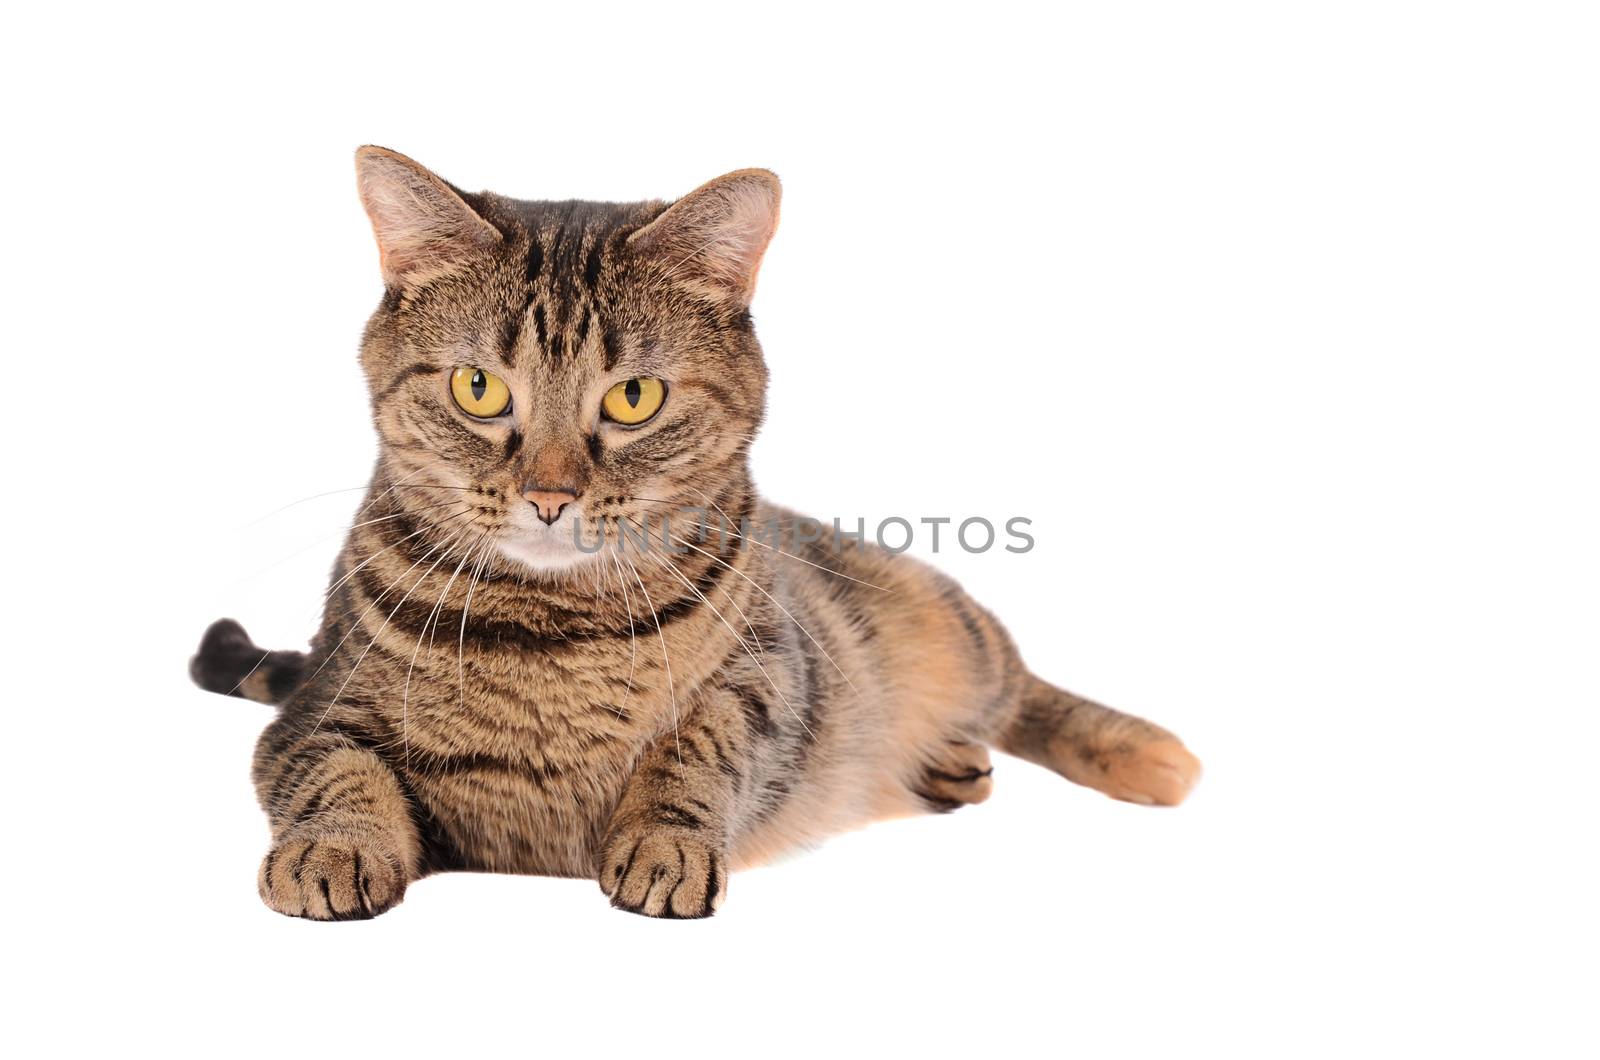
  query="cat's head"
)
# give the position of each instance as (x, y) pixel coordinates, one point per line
(534, 364)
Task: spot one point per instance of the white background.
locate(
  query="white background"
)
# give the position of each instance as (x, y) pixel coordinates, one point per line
(1279, 321)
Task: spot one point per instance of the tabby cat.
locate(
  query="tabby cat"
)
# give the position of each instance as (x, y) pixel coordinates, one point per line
(487, 693)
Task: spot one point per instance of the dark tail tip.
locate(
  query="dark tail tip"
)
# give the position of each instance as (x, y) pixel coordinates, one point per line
(225, 635)
(231, 664)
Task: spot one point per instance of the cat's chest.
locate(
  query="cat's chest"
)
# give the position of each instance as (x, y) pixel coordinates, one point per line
(521, 768)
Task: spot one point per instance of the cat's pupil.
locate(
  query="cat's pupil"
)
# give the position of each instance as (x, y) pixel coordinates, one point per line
(632, 392)
(479, 386)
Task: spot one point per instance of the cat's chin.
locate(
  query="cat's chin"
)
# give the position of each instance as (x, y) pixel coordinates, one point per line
(542, 554)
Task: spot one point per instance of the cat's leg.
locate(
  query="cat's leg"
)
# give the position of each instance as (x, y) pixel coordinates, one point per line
(1118, 754)
(665, 852)
(969, 684)
(344, 844)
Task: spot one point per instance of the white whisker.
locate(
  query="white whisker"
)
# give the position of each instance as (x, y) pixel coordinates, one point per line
(405, 696)
(353, 570)
(461, 643)
(386, 621)
(633, 641)
(665, 658)
(780, 607)
(782, 698)
(330, 656)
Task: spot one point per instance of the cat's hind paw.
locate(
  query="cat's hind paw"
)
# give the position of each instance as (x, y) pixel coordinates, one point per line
(1158, 773)
(960, 775)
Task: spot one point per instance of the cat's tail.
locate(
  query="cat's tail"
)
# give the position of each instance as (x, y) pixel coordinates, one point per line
(230, 663)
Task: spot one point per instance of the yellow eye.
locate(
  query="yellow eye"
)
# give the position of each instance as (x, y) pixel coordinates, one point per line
(635, 401)
(479, 393)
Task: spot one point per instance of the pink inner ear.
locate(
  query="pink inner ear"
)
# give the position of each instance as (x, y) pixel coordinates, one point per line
(719, 232)
(752, 218)
(421, 225)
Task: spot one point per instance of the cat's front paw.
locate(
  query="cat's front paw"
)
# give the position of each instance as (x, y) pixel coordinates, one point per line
(331, 877)
(664, 871)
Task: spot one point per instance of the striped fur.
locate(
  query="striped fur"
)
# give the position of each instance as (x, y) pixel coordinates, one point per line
(652, 719)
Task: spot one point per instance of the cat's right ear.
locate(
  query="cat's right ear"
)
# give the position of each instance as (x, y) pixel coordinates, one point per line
(423, 227)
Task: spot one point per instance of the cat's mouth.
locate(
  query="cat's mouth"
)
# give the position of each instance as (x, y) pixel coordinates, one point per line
(541, 547)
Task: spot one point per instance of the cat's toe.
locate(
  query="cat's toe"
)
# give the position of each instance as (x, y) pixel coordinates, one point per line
(668, 872)
(331, 877)
(959, 775)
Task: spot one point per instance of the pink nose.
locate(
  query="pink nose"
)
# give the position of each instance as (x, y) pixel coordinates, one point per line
(548, 503)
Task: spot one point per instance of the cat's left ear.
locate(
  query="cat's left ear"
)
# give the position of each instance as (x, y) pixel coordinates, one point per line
(716, 234)
(423, 226)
